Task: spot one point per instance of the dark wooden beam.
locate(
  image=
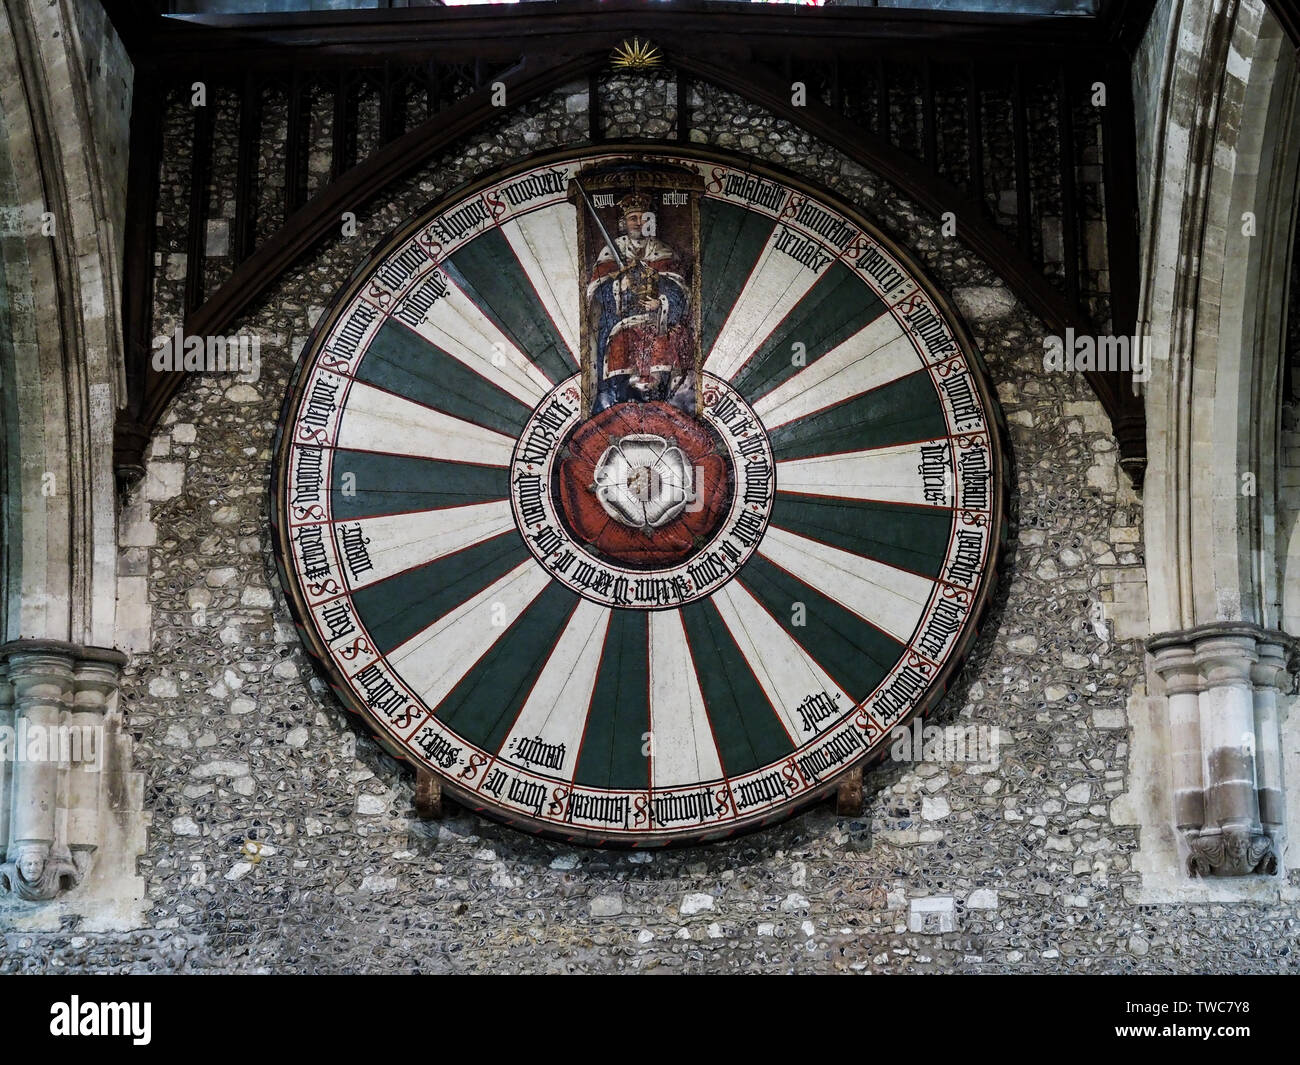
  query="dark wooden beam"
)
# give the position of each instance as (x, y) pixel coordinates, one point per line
(929, 121)
(595, 116)
(387, 105)
(244, 237)
(683, 106)
(716, 54)
(251, 278)
(196, 232)
(938, 195)
(578, 26)
(1020, 127)
(975, 130)
(1065, 164)
(295, 176)
(882, 100)
(342, 147)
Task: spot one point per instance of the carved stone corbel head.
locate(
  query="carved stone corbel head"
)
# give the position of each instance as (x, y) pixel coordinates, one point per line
(1233, 851)
(36, 874)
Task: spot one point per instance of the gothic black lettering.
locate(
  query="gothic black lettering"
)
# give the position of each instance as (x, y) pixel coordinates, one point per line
(533, 187)
(684, 806)
(455, 225)
(528, 496)
(354, 328)
(311, 552)
(930, 328)
(536, 751)
(383, 696)
(816, 709)
(320, 402)
(415, 308)
(755, 190)
(894, 700)
(825, 225)
(974, 479)
(604, 809)
(935, 473)
(802, 249)
(965, 407)
(874, 264)
(527, 793)
(437, 749)
(767, 788)
(355, 555)
(337, 617)
(965, 567)
(307, 476)
(835, 751)
(403, 266)
(944, 621)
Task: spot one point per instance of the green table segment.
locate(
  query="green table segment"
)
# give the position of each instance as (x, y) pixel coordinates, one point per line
(638, 494)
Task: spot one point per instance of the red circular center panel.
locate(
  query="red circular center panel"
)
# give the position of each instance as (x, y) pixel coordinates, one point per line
(644, 485)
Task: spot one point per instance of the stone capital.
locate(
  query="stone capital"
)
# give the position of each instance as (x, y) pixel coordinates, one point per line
(1223, 653)
(1275, 666)
(1176, 666)
(95, 679)
(39, 671)
(1226, 660)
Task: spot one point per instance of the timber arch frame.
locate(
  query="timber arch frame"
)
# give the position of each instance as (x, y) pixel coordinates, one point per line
(857, 65)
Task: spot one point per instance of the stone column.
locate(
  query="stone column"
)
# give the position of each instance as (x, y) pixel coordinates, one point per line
(1221, 683)
(9, 741)
(1231, 842)
(94, 683)
(41, 674)
(1176, 665)
(52, 792)
(1270, 676)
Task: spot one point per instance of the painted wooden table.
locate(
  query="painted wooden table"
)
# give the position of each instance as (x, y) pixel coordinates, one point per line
(638, 494)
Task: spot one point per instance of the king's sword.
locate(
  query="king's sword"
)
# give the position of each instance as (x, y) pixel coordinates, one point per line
(604, 233)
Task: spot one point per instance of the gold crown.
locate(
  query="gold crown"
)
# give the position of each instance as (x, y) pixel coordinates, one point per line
(635, 201)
